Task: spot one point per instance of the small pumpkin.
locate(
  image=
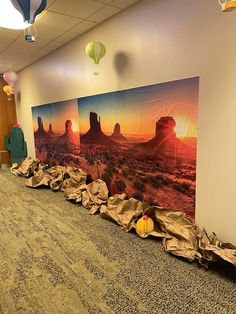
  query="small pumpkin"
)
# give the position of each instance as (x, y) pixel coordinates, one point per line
(144, 226)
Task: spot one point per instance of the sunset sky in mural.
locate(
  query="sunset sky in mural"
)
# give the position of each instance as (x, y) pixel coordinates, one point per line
(138, 109)
(57, 114)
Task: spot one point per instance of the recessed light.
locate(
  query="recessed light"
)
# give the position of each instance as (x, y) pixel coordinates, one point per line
(10, 17)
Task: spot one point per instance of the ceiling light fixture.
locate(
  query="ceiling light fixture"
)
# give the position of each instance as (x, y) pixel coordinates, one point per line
(10, 17)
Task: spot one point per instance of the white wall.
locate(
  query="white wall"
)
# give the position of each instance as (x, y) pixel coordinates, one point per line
(161, 41)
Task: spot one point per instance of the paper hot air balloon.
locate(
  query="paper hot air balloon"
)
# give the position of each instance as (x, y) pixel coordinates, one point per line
(8, 90)
(29, 8)
(95, 50)
(227, 5)
(10, 77)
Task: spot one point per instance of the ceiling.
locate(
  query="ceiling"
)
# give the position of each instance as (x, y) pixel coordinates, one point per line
(63, 21)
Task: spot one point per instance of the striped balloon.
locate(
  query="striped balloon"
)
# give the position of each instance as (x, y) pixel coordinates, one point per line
(8, 89)
(29, 8)
(95, 50)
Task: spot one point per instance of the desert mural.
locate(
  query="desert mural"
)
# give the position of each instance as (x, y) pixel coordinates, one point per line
(141, 141)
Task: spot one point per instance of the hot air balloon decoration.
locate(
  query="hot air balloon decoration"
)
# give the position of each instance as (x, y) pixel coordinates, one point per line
(227, 5)
(10, 78)
(30, 9)
(8, 89)
(96, 51)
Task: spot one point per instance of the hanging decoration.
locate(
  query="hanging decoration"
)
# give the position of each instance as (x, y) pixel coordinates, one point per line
(96, 51)
(30, 33)
(10, 78)
(227, 5)
(30, 9)
(9, 90)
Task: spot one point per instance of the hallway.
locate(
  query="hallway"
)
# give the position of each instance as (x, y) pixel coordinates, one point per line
(56, 258)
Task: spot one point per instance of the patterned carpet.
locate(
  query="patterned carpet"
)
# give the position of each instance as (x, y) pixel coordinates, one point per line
(56, 258)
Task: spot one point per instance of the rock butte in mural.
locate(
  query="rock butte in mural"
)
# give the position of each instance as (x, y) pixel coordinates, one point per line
(50, 131)
(40, 133)
(165, 140)
(95, 134)
(69, 136)
(117, 135)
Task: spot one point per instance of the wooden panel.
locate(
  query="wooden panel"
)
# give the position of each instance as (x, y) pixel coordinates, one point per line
(5, 157)
(7, 117)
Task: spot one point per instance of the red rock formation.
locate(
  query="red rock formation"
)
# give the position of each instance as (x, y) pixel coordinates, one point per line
(95, 134)
(50, 131)
(117, 136)
(40, 133)
(165, 140)
(69, 136)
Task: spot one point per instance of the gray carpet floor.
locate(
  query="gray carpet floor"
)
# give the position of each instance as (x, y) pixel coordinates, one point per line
(56, 258)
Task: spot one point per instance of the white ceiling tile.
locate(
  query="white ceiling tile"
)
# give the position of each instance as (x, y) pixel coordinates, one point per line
(7, 35)
(52, 46)
(83, 27)
(123, 3)
(58, 21)
(50, 2)
(41, 53)
(48, 32)
(8, 59)
(20, 66)
(66, 37)
(12, 55)
(3, 46)
(20, 45)
(104, 14)
(104, 1)
(5, 67)
(78, 8)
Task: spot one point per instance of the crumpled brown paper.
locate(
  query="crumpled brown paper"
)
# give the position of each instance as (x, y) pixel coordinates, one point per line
(52, 178)
(123, 212)
(180, 236)
(211, 249)
(57, 178)
(92, 196)
(177, 230)
(77, 178)
(26, 168)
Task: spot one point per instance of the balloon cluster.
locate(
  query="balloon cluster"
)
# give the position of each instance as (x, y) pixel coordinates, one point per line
(10, 78)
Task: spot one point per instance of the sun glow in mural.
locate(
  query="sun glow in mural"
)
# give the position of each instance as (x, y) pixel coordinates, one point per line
(75, 125)
(182, 126)
(140, 141)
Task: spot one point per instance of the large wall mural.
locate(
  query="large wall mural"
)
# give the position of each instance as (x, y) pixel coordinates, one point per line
(141, 141)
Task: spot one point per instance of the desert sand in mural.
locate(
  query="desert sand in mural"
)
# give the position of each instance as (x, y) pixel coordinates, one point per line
(156, 164)
(160, 171)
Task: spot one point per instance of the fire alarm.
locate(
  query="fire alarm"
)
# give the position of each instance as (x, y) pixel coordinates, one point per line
(228, 5)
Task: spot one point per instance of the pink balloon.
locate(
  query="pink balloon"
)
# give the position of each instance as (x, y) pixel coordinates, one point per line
(10, 77)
